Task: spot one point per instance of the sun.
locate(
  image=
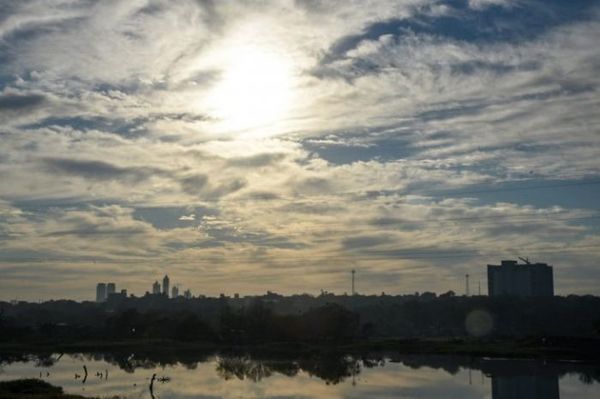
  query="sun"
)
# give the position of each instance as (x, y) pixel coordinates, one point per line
(255, 89)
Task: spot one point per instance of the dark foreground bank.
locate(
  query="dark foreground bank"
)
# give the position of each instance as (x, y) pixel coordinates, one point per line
(33, 389)
(274, 318)
(554, 328)
(551, 348)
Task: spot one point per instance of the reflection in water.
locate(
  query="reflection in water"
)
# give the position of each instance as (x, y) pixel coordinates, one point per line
(525, 387)
(526, 379)
(330, 369)
(152, 385)
(147, 375)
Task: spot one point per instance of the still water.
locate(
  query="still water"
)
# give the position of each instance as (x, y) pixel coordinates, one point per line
(325, 376)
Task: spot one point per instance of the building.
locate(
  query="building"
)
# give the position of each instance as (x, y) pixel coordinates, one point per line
(187, 294)
(165, 287)
(101, 292)
(156, 288)
(174, 292)
(116, 298)
(111, 288)
(523, 280)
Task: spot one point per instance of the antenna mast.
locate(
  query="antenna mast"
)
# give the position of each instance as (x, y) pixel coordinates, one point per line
(353, 273)
(467, 284)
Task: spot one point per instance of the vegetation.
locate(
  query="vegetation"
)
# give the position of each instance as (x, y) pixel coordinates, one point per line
(426, 323)
(32, 389)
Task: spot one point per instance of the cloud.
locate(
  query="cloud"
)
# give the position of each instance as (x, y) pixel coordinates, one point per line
(198, 186)
(31, 16)
(355, 55)
(256, 161)
(19, 106)
(124, 28)
(194, 184)
(366, 241)
(17, 102)
(481, 4)
(406, 117)
(313, 185)
(99, 170)
(228, 187)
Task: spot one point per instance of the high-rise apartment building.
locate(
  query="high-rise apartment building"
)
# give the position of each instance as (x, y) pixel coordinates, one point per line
(523, 280)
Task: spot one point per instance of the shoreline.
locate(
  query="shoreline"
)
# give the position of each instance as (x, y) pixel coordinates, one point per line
(585, 350)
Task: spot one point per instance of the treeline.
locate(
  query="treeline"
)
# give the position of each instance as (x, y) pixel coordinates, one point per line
(300, 318)
(258, 322)
(254, 324)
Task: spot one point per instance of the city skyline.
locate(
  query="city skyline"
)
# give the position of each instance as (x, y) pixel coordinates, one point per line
(508, 278)
(459, 287)
(277, 145)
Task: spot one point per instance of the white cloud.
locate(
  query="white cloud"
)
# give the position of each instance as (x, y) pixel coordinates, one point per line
(481, 4)
(190, 217)
(102, 115)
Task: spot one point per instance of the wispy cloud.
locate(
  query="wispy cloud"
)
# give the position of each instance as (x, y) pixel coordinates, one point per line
(402, 115)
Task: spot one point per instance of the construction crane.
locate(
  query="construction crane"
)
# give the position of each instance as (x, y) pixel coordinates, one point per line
(526, 260)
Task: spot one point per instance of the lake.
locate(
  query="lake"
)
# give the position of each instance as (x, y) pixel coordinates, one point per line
(379, 375)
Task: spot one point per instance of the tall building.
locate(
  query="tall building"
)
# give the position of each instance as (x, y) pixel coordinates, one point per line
(187, 294)
(101, 292)
(523, 280)
(165, 286)
(111, 288)
(174, 292)
(156, 288)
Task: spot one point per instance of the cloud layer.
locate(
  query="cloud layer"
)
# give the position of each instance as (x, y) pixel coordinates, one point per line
(420, 141)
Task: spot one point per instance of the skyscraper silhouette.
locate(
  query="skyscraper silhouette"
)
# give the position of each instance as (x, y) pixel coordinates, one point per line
(101, 292)
(156, 288)
(165, 287)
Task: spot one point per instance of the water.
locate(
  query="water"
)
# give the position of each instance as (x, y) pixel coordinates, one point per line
(371, 376)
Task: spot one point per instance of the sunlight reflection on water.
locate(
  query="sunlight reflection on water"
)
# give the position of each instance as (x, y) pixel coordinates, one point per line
(340, 377)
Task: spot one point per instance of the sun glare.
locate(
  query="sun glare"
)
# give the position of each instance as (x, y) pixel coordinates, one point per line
(255, 90)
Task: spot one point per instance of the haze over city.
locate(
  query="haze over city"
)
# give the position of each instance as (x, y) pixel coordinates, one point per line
(245, 147)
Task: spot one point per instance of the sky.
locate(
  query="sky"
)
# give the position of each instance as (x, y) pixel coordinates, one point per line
(247, 146)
